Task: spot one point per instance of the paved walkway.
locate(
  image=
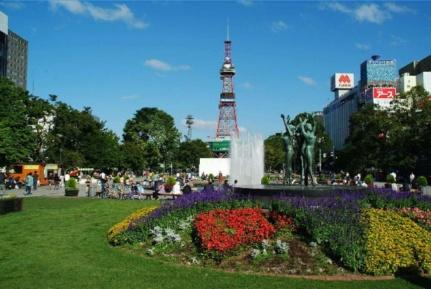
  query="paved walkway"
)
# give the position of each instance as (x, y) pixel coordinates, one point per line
(45, 191)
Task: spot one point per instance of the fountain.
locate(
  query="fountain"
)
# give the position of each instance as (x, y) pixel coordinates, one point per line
(247, 164)
(247, 160)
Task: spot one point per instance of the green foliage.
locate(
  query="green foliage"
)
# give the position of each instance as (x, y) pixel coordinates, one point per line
(422, 181)
(153, 132)
(387, 139)
(274, 152)
(78, 138)
(71, 184)
(116, 180)
(265, 180)
(16, 134)
(211, 177)
(170, 181)
(390, 179)
(190, 152)
(369, 179)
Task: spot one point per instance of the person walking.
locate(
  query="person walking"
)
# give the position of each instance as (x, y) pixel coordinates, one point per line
(412, 178)
(2, 183)
(28, 184)
(35, 179)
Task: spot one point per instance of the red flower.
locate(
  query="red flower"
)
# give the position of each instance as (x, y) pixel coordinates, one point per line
(222, 230)
(281, 221)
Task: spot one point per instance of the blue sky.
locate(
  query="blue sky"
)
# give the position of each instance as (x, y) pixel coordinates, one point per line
(119, 56)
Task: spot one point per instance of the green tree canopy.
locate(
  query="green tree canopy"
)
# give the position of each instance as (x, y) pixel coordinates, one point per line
(190, 152)
(274, 152)
(390, 139)
(17, 139)
(78, 138)
(153, 131)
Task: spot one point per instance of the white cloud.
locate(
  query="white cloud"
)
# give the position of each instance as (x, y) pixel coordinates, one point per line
(307, 80)
(362, 46)
(246, 85)
(335, 6)
(395, 8)
(370, 12)
(204, 124)
(14, 5)
(160, 65)
(201, 124)
(246, 3)
(120, 12)
(130, 97)
(278, 26)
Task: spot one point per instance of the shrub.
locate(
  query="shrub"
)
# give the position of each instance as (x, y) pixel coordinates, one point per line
(222, 230)
(265, 180)
(422, 181)
(390, 179)
(121, 227)
(369, 180)
(170, 181)
(116, 180)
(394, 242)
(71, 184)
(211, 177)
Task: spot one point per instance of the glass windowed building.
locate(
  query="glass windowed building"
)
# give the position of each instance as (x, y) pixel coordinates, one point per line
(13, 54)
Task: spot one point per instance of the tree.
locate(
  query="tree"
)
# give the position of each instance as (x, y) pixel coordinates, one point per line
(154, 132)
(190, 152)
(16, 133)
(393, 139)
(41, 114)
(275, 152)
(78, 138)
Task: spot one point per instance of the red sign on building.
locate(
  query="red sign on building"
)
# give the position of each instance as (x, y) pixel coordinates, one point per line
(344, 79)
(384, 92)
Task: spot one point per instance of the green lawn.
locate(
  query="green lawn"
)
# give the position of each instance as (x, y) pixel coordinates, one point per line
(61, 243)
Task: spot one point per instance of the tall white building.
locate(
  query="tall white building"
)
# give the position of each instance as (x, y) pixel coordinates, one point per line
(416, 73)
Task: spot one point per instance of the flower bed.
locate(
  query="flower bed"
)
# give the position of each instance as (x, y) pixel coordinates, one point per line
(122, 226)
(292, 235)
(394, 242)
(223, 230)
(422, 217)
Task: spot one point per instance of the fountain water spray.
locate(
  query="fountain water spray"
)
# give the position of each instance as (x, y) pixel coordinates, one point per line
(247, 159)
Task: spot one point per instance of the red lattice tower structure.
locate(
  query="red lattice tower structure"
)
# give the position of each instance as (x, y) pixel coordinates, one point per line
(227, 124)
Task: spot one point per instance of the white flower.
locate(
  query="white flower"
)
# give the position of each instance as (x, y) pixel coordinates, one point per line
(281, 247)
(255, 253)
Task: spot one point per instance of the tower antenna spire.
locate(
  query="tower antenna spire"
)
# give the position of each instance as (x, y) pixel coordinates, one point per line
(227, 30)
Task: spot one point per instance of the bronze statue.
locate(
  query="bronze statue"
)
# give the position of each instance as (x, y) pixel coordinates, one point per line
(308, 133)
(289, 142)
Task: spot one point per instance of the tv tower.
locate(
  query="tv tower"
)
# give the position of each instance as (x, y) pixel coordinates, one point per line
(227, 124)
(189, 123)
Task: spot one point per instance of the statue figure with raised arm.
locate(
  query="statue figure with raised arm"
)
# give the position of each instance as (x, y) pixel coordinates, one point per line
(308, 132)
(289, 142)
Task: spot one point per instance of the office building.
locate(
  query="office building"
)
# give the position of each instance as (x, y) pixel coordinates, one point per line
(414, 74)
(13, 54)
(378, 85)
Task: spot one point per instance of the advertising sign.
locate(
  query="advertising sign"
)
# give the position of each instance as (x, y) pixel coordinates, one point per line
(342, 81)
(384, 92)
